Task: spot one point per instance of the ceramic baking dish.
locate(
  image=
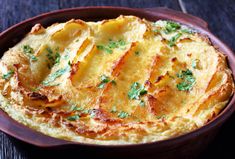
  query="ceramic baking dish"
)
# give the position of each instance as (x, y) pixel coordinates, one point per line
(184, 146)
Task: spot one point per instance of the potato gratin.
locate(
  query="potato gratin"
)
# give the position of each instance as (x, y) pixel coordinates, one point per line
(117, 81)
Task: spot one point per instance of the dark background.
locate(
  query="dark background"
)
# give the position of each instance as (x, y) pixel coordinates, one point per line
(220, 15)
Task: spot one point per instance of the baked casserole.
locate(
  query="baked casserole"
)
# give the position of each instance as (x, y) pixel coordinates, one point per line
(118, 81)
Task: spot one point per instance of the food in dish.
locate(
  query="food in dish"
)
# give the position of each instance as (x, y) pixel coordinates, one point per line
(118, 81)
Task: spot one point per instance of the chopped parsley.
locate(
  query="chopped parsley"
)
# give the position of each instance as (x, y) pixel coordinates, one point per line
(136, 91)
(69, 63)
(73, 118)
(123, 114)
(111, 45)
(29, 52)
(142, 103)
(171, 27)
(55, 75)
(106, 49)
(173, 40)
(104, 80)
(57, 57)
(188, 80)
(27, 49)
(8, 75)
(53, 58)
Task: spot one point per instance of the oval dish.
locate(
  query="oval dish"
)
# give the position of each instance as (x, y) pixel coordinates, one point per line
(181, 144)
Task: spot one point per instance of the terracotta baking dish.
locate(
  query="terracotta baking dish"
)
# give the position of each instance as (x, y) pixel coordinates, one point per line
(184, 146)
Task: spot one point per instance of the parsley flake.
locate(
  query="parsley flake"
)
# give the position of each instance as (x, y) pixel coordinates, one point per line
(104, 80)
(111, 45)
(8, 75)
(53, 58)
(174, 39)
(142, 103)
(136, 91)
(73, 118)
(106, 49)
(188, 80)
(29, 52)
(171, 27)
(55, 75)
(123, 114)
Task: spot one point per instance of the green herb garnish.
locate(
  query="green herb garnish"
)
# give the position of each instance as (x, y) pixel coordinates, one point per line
(104, 80)
(8, 75)
(106, 49)
(136, 91)
(111, 45)
(57, 58)
(188, 80)
(53, 59)
(69, 63)
(55, 75)
(123, 114)
(73, 118)
(27, 49)
(29, 52)
(121, 42)
(171, 27)
(142, 103)
(174, 39)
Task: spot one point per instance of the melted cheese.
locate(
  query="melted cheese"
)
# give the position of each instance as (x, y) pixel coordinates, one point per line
(78, 80)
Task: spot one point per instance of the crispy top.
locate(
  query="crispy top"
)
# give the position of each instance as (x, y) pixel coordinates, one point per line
(117, 81)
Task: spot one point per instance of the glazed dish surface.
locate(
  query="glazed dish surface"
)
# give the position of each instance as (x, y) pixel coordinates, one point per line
(118, 81)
